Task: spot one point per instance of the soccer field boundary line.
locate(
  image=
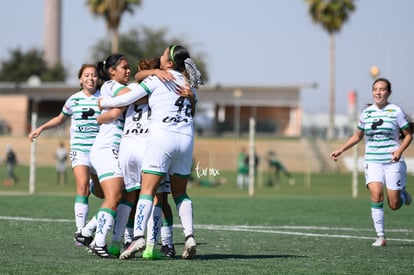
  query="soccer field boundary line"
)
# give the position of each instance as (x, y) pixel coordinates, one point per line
(297, 227)
(28, 219)
(272, 231)
(281, 230)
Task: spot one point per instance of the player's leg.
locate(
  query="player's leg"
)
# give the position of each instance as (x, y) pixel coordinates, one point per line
(167, 227)
(122, 214)
(395, 179)
(374, 177)
(81, 205)
(153, 229)
(185, 211)
(142, 214)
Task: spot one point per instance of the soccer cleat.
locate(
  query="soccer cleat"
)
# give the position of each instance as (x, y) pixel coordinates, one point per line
(168, 251)
(137, 244)
(381, 241)
(151, 254)
(76, 242)
(190, 248)
(84, 240)
(126, 244)
(88, 248)
(102, 251)
(408, 198)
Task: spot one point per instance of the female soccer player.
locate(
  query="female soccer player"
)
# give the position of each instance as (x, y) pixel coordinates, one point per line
(115, 71)
(170, 142)
(82, 108)
(384, 164)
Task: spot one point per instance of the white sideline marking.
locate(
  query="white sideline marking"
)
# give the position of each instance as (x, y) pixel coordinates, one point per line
(270, 230)
(33, 219)
(316, 228)
(257, 229)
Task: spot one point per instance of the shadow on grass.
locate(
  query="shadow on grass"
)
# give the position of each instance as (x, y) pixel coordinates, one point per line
(234, 256)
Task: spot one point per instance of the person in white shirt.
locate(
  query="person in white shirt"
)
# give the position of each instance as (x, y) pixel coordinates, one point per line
(61, 157)
(82, 109)
(384, 164)
(115, 71)
(170, 142)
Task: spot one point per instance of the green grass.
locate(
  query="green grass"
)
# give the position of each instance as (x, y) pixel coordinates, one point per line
(295, 229)
(320, 184)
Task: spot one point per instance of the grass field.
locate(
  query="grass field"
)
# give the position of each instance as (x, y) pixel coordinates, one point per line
(316, 229)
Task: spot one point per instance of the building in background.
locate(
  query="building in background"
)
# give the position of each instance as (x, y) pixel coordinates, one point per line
(223, 110)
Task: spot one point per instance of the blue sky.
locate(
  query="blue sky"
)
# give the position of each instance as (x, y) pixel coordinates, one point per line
(267, 42)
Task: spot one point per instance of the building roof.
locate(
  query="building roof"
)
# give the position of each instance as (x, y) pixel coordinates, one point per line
(285, 96)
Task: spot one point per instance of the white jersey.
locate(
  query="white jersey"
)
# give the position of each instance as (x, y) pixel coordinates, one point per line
(133, 144)
(109, 135)
(137, 119)
(84, 128)
(172, 117)
(169, 110)
(169, 147)
(132, 148)
(382, 130)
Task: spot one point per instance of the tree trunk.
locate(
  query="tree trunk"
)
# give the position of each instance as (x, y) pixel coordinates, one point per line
(331, 123)
(115, 41)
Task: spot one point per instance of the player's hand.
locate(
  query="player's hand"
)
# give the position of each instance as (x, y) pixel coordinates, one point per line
(185, 90)
(335, 154)
(395, 156)
(164, 75)
(99, 103)
(33, 135)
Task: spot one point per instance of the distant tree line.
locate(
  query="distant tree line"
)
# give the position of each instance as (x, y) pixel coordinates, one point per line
(135, 44)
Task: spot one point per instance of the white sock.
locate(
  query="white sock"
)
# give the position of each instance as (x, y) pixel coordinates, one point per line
(122, 215)
(166, 235)
(106, 218)
(142, 214)
(403, 198)
(378, 219)
(81, 208)
(185, 212)
(129, 231)
(90, 227)
(154, 225)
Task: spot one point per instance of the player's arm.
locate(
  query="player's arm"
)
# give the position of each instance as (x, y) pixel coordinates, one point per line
(53, 122)
(110, 115)
(162, 75)
(354, 139)
(125, 97)
(408, 137)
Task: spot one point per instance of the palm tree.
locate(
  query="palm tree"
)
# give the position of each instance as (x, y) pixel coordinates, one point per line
(112, 11)
(331, 14)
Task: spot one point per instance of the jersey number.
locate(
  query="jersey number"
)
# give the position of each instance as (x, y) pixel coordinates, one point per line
(139, 112)
(182, 106)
